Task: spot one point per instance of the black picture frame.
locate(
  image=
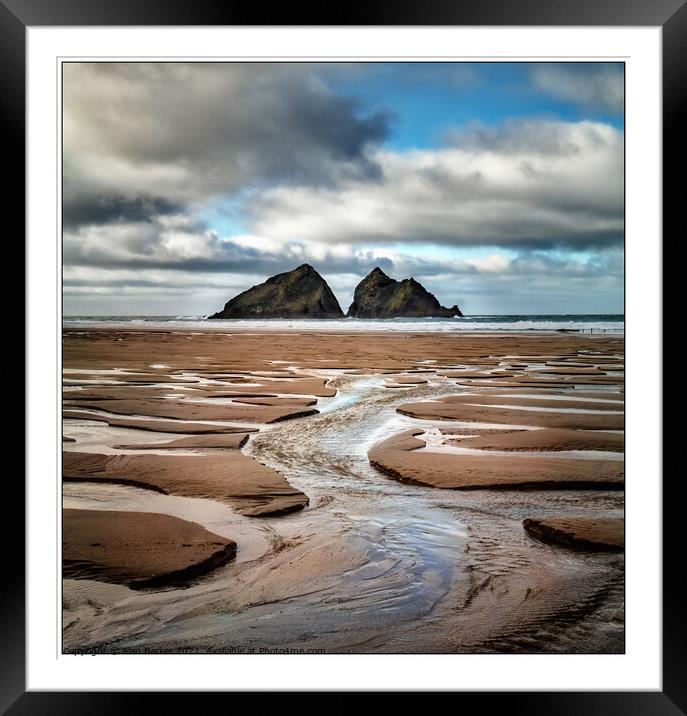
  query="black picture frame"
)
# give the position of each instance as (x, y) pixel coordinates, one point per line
(17, 15)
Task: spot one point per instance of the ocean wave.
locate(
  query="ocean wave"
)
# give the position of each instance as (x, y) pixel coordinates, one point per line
(488, 324)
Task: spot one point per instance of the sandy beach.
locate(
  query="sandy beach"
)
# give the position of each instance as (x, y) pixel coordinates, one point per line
(378, 492)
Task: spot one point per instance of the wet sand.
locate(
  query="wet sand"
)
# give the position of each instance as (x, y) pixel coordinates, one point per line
(269, 423)
(251, 351)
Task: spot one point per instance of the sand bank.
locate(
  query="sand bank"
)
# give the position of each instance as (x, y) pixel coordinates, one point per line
(232, 441)
(187, 410)
(233, 478)
(398, 457)
(583, 532)
(156, 426)
(466, 408)
(138, 549)
(546, 439)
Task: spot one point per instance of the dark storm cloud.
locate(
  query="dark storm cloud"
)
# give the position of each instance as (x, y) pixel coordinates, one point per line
(188, 132)
(144, 140)
(81, 210)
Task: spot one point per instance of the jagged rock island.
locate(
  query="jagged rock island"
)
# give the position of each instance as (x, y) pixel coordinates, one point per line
(301, 293)
(379, 296)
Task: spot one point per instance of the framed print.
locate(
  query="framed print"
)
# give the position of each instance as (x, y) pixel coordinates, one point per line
(326, 346)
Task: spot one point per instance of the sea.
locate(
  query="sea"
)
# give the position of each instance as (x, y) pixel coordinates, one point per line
(579, 323)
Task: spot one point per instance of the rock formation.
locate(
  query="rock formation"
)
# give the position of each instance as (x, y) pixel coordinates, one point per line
(301, 293)
(379, 296)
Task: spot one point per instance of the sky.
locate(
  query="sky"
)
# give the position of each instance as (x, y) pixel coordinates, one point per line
(498, 186)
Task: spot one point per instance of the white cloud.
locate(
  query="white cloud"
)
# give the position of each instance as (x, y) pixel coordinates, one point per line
(523, 183)
(494, 263)
(259, 243)
(586, 84)
(163, 240)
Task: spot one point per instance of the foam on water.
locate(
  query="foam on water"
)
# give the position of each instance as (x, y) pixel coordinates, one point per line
(602, 323)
